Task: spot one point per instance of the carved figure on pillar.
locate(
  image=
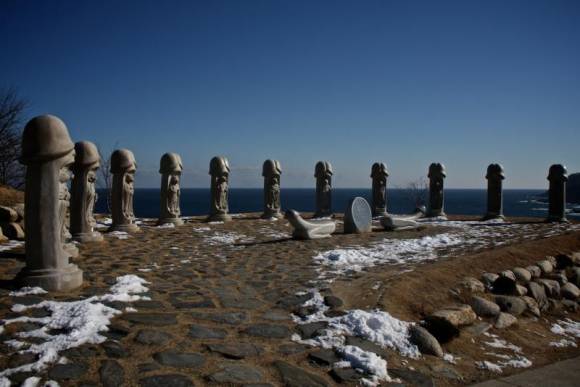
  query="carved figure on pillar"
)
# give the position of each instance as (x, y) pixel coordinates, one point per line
(323, 175)
(48, 153)
(219, 169)
(271, 171)
(379, 176)
(495, 177)
(123, 168)
(170, 169)
(436, 195)
(558, 176)
(83, 193)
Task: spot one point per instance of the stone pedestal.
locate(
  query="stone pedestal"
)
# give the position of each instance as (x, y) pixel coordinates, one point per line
(558, 176)
(436, 197)
(323, 175)
(379, 176)
(495, 176)
(170, 169)
(123, 168)
(48, 153)
(271, 171)
(83, 193)
(219, 169)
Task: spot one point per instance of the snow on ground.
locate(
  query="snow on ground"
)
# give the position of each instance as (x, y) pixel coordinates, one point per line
(514, 360)
(459, 235)
(75, 323)
(568, 328)
(165, 225)
(119, 234)
(225, 238)
(377, 326)
(27, 290)
(11, 244)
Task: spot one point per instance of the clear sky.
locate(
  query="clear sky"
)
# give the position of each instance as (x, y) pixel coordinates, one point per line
(462, 82)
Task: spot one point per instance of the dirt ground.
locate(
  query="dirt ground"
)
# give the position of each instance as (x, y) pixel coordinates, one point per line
(239, 279)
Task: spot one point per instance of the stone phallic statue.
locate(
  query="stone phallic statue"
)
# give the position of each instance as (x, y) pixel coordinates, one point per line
(170, 169)
(558, 176)
(313, 229)
(436, 177)
(323, 175)
(219, 169)
(379, 175)
(495, 176)
(123, 167)
(358, 217)
(271, 171)
(83, 193)
(48, 153)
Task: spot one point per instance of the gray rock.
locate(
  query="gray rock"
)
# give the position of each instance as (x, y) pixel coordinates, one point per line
(48, 153)
(313, 229)
(521, 290)
(268, 330)
(509, 274)
(67, 371)
(545, 266)
(310, 330)
(505, 320)
(276, 315)
(148, 367)
(538, 293)
(478, 328)
(236, 350)
(456, 315)
(179, 359)
(236, 374)
(511, 305)
(152, 337)
(558, 275)
(414, 378)
(489, 278)
(324, 357)
(358, 216)
(333, 301)
(570, 291)
(156, 319)
(522, 275)
(231, 318)
(111, 373)
(573, 274)
(293, 376)
(173, 380)
(472, 285)
(201, 332)
(366, 345)
(114, 349)
(570, 305)
(291, 349)
(551, 287)
(345, 375)
(426, 342)
(535, 271)
(533, 307)
(483, 307)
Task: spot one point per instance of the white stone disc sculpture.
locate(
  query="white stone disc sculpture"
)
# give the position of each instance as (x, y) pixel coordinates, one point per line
(313, 229)
(358, 216)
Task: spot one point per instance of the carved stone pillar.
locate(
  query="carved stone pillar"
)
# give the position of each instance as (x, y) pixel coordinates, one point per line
(271, 171)
(83, 193)
(558, 176)
(436, 196)
(379, 176)
(123, 168)
(170, 169)
(219, 169)
(495, 177)
(323, 175)
(48, 153)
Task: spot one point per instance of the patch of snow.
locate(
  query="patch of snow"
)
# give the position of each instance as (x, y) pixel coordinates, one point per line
(27, 290)
(119, 234)
(79, 322)
(568, 328)
(368, 362)
(488, 365)
(201, 229)
(563, 343)
(449, 358)
(225, 238)
(11, 244)
(31, 381)
(165, 225)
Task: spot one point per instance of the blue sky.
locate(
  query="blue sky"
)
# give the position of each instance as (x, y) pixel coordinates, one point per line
(462, 82)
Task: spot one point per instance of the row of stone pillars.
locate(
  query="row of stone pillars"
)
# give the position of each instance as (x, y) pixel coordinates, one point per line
(50, 156)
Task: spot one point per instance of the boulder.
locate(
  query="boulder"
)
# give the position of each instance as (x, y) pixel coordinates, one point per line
(570, 305)
(8, 215)
(552, 260)
(509, 274)
(13, 231)
(472, 285)
(521, 290)
(545, 266)
(488, 279)
(505, 320)
(535, 271)
(483, 307)
(457, 315)
(19, 208)
(425, 341)
(551, 287)
(538, 293)
(570, 291)
(558, 275)
(512, 305)
(533, 307)
(522, 275)
(573, 274)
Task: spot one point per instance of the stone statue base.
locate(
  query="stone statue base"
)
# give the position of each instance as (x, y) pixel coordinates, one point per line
(94, 236)
(436, 214)
(175, 221)
(557, 219)
(493, 217)
(131, 227)
(71, 249)
(219, 218)
(269, 214)
(58, 280)
(314, 229)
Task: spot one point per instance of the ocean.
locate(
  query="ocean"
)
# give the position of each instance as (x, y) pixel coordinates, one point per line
(195, 201)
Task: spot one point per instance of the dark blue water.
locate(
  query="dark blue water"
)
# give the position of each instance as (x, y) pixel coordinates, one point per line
(195, 201)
